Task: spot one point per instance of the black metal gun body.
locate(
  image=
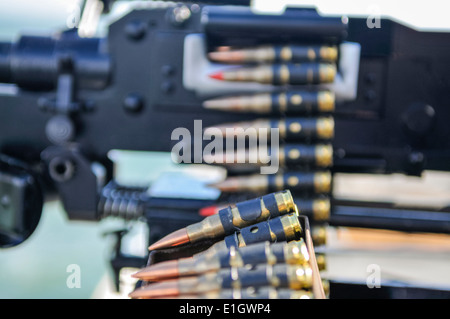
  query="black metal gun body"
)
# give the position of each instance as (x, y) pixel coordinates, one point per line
(68, 101)
(133, 80)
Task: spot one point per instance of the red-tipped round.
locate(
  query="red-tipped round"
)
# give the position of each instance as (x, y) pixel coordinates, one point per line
(208, 211)
(217, 75)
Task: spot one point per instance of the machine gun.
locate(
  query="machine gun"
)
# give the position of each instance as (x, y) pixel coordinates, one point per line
(66, 101)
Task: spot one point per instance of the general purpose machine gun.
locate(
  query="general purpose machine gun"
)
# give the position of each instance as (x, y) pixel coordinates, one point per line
(345, 96)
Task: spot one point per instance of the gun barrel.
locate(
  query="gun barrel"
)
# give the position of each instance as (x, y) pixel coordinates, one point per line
(35, 62)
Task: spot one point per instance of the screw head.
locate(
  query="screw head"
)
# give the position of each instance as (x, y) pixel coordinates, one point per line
(135, 30)
(60, 129)
(370, 95)
(5, 201)
(419, 119)
(370, 78)
(168, 70)
(167, 87)
(416, 157)
(133, 103)
(89, 106)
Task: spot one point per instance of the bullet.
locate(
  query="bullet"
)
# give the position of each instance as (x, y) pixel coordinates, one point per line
(319, 155)
(177, 238)
(290, 129)
(280, 74)
(290, 102)
(288, 155)
(317, 209)
(223, 48)
(295, 277)
(319, 235)
(292, 253)
(321, 261)
(210, 210)
(277, 54)
(284, 228)
(297, 182)
(232, 218)
(253, 293)
(326, 287)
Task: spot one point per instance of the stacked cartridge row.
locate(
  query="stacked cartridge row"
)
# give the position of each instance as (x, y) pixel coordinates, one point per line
(299, 108)
(259, 248)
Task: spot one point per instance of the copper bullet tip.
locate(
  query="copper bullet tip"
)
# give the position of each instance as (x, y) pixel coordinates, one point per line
(217, 56)
(228, 185)
(176, 238)
(159, 289)
(227, 56)
(160, 271)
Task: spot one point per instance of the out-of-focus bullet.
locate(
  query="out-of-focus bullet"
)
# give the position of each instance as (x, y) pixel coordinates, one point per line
(293, 252)
(290, 129)
(277, 54)
(288, 155)
(210, 210)
(319, 235)
(295, 277)
(297, 182)
(223, 48)
(284, 228)
(281, 74)
(321, 261)
(290, 102)
(326, 287)
(317, 209)
(319, 155)
(253, 293)
(232, 218)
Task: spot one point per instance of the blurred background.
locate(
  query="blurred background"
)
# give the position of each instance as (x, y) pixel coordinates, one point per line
(38, 267)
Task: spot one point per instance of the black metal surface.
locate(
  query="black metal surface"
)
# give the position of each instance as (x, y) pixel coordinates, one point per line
(395, 75)
(79, 98)
(120, 260)
(21, 201)
(36, 61)
(74, 180)
(242, 27)
(400, 68)
(376, 215)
